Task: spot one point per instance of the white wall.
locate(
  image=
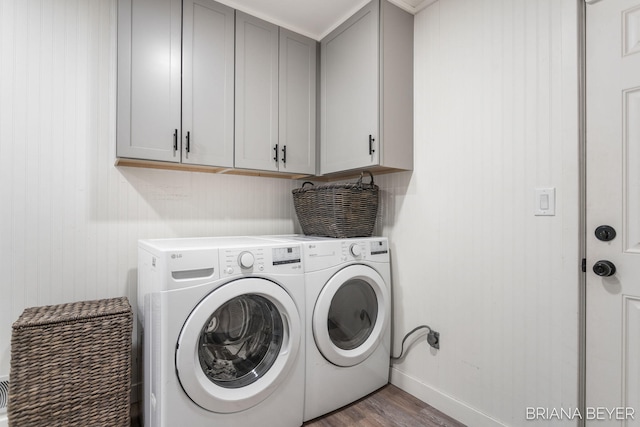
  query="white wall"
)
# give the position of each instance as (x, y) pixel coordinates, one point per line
(69, 219)
(496, 115)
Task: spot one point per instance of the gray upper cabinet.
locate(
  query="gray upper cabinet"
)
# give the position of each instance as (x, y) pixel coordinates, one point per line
(207, 83)
(297, 103)
(367, 91)
(275, 98)
(148, 117)
(256, 93)
(150, 99)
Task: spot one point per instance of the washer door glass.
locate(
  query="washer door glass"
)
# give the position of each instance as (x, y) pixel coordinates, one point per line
(351, 315)
(238, 345)
(240, 341)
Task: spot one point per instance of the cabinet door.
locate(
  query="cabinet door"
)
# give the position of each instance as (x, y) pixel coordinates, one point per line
(297, 103)
(349, 93)
(256, 93)
(149, 37)
(207, 83)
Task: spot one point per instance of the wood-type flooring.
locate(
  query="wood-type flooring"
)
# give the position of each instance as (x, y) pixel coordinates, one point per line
(387, 407)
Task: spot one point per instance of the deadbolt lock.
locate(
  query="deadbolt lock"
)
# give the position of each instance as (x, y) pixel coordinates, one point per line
(605, 233)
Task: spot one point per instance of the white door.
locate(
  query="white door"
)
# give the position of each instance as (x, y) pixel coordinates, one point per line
(613, 199)
(351, 315)
(238, 344)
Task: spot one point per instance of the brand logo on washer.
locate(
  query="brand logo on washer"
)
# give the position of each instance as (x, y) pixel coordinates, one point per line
(176, 256)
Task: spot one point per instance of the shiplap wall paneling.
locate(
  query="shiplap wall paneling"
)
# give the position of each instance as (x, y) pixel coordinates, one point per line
(69, 219)
(496, 116)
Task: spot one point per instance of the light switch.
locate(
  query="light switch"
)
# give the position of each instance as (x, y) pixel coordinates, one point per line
(545, 202)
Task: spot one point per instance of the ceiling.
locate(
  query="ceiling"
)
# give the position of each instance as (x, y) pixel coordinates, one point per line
(313, 18)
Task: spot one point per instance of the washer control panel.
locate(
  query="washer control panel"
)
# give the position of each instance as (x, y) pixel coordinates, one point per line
(280, 259)
(288, 255)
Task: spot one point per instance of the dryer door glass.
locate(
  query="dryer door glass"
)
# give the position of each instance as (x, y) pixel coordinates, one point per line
(352, 314)
(240, 341)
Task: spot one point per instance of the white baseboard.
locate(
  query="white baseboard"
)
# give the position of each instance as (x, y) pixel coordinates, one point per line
(442, 402)
(4, 421)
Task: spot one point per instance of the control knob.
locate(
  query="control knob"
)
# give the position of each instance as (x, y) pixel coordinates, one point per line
(246, 260)
(355, 250)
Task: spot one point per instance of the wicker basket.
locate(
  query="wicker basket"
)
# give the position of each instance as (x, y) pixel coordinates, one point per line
(337, 210)
(71, 365)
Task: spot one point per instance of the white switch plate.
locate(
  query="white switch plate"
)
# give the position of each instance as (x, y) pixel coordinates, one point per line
(545, 202)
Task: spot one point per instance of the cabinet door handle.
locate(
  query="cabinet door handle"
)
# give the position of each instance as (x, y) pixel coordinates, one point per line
(371, 150)
(175, 141)
(275, 153)
(188, 147)
(284, 154)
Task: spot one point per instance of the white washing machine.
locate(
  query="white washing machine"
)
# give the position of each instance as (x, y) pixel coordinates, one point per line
(348, 293)
(223, 335)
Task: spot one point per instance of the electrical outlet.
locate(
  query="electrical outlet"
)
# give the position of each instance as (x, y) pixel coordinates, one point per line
(433, 338)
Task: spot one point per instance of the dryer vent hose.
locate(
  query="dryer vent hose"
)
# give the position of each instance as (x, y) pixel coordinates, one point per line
(414, 330)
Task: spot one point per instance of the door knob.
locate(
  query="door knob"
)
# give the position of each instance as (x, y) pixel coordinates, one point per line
(604, 268)
(605, 233)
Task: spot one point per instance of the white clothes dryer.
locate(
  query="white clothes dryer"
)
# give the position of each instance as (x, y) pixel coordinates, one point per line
(348, 294)
(223, 336)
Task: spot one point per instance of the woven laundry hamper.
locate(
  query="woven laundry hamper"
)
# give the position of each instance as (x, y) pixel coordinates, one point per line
(71, 365)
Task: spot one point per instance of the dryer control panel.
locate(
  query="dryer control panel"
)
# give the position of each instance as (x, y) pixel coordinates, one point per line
(325, 253)
(364, 249)
(378, 247)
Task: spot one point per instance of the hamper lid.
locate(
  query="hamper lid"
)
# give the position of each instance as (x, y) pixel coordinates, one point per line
(61, 313)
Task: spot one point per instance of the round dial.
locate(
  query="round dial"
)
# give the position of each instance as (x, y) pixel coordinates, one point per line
(246, 260)
(355, 250)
